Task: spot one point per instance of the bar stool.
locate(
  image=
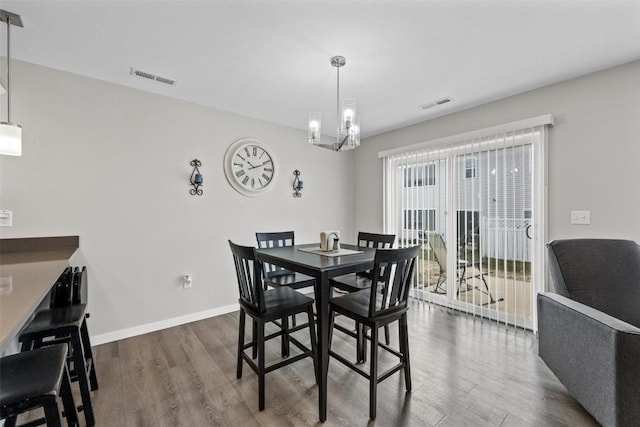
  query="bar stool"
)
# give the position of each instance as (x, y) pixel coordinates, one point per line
(67, 325)
(35, 379)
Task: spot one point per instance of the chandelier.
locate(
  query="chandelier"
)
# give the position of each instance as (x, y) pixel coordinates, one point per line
(348, 136)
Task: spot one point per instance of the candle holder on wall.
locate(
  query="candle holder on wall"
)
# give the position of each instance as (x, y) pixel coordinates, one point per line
(196, 178)
(297, 184)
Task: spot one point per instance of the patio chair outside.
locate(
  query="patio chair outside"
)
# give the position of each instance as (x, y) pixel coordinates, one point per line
(439, 250)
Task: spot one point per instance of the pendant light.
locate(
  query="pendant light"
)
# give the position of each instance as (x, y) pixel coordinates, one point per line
(348, 136)
(10, 133)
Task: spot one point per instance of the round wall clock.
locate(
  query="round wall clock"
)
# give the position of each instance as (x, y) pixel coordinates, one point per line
(250, 167)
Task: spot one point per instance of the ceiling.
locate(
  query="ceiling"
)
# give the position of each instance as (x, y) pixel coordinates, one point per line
(270, 59)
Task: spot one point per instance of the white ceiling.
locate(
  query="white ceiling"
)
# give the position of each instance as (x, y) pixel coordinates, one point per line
(270, 59)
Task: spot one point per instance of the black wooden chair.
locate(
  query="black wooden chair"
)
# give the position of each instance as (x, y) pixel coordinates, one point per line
(35, 379)
(376, 307)
(67, 324)
(264, 306)
(276, 276)
(357, 281)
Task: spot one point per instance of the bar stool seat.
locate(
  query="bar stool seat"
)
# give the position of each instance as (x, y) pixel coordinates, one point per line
(66, 325)
(35, 379)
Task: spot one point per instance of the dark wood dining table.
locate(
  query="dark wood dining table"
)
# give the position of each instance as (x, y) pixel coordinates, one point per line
(322, 268)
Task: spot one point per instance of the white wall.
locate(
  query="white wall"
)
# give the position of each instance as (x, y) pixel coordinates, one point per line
(594, 151)
(111, 164)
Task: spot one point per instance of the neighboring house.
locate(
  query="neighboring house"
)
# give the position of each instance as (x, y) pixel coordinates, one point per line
(493, 199)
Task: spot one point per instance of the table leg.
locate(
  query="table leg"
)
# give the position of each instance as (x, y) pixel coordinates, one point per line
(322, 292)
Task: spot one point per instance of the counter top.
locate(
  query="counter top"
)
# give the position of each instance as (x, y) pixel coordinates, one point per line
(25, 279)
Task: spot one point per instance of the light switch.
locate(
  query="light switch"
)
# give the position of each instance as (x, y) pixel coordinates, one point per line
(6, 218)
(581, 217)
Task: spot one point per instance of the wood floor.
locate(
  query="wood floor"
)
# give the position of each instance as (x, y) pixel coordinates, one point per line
(465, 371)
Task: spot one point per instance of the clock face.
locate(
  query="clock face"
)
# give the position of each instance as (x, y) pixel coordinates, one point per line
(250, 166)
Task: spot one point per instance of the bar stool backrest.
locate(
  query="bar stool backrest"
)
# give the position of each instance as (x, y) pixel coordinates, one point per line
(277, 239)
(393, 270)
(374, 240)
(249, 273)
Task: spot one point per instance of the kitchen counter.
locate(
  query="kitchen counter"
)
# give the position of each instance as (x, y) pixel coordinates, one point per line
(28, 269)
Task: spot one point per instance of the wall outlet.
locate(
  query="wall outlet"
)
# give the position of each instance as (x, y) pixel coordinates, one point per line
(581, 217)
(6, 218)
(187, 282)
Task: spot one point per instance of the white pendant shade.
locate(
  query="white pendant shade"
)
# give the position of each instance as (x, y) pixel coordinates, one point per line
(10, 139)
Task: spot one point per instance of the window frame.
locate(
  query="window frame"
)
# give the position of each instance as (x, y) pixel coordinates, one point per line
(412, 176)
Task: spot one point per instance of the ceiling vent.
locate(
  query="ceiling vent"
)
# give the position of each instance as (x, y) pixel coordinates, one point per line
(436, 103)
(150, 76)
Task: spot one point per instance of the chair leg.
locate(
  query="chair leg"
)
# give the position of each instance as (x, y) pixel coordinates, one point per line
(10, 421)
(403, 331)
(88, 352)
(332, 320)
(51, 413)
(255, 335)
(361, 343)
(491, 299)
(240, 343)
(67, 399)
(373, 374)
(83, 381)
(314, 343)
(387, 338)
(261, 367)
(284, 343)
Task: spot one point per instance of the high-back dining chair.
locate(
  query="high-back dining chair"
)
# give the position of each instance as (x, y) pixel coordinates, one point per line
(379, 306)
(265, 306)
(278, 276)
(357, 281)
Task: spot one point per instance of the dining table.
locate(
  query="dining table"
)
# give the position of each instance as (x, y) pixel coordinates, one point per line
(322, 266)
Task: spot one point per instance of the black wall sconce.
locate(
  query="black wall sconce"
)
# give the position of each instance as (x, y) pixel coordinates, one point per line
(196, 178)
(297, 184)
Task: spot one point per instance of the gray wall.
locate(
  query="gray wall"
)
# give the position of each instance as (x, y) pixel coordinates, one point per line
(111, 164)
(594, 151)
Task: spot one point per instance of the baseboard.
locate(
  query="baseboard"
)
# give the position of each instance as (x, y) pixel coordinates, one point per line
(162, 324)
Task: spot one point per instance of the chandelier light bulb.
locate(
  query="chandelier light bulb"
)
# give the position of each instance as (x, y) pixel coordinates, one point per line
(348, 117)
(313, 128)
(313, 125)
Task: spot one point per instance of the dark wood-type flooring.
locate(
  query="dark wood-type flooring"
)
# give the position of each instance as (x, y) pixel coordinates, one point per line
(466, 372)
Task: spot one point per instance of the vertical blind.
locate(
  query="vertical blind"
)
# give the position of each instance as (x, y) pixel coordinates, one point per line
(471, 205)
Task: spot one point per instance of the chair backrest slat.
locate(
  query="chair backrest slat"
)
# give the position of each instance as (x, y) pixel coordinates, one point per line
(249, 274)
(393, 271)
(377, 241)
(275, 240)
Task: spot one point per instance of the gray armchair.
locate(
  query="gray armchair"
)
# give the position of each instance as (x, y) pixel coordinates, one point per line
(589, 329)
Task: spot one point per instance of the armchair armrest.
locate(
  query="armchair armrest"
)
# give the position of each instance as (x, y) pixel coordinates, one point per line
(595, 356)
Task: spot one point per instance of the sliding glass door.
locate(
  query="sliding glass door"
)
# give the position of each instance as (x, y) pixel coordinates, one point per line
(475, 210)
